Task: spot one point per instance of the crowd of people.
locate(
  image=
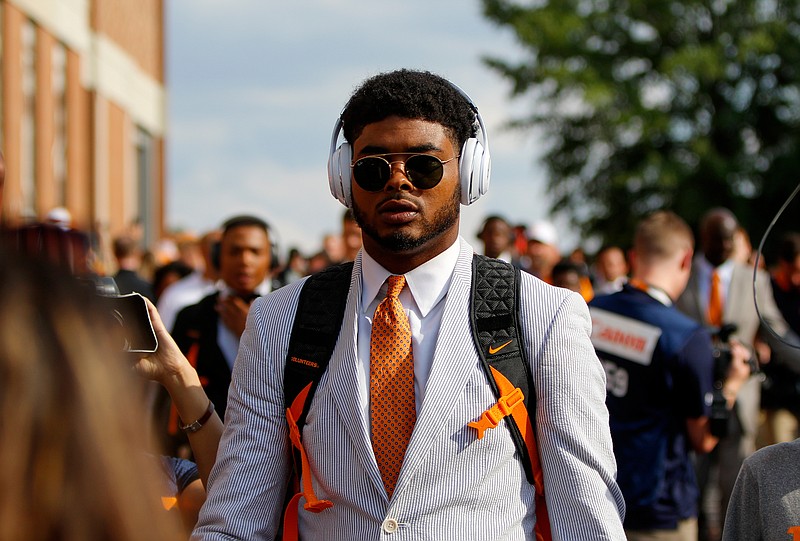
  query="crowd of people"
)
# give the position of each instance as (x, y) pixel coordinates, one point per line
(665, 378)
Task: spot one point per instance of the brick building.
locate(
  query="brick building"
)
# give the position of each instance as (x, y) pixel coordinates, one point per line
(83, 112)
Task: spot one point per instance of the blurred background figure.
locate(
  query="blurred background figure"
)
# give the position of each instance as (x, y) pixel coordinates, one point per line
(498, 239)
(128, 256)
(195, 286)
(73, 463)
(295, 268)
(720, 292)
(208, 332)
(780, 390)
(543, 252)
(610, 270)
(333, 247)
(167, 274)
(351, 235)
(567, 274)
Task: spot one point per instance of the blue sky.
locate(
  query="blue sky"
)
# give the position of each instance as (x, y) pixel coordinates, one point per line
(255, 88)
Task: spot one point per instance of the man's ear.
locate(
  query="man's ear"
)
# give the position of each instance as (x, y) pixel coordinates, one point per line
(633, 260)
(686, 260)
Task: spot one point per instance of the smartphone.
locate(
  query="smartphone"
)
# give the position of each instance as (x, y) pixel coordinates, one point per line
(129, 312)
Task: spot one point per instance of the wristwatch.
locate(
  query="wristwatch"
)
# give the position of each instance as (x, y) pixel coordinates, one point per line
(198, 424)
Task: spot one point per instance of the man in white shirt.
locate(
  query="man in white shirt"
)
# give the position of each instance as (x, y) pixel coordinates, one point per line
(415, 150)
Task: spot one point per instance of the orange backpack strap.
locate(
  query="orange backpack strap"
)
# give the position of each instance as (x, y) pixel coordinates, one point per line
(495, 329)
(317, 322)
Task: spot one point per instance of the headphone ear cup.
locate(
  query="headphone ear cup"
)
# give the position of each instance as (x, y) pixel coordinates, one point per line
(339, 174)
(473, 171)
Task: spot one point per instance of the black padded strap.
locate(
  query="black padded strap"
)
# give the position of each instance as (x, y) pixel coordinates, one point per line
(495, 329)
(318, 320)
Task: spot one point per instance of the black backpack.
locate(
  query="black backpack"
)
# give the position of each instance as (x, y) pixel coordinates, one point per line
(495, 330)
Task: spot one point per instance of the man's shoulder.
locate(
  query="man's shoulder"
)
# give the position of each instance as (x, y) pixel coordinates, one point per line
(640, 306)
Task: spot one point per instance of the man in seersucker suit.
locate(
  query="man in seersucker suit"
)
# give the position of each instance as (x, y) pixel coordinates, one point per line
(415, 151)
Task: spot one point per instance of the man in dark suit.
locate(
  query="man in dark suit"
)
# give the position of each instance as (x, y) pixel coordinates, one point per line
(208, 332)
(733, 303)
(129, 260)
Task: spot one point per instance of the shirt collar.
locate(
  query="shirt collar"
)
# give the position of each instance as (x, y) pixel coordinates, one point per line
(262, 289)
(725, 270)
(427, 283)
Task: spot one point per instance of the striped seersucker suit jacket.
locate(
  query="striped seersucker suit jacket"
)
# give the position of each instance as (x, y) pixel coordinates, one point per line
(452, 485)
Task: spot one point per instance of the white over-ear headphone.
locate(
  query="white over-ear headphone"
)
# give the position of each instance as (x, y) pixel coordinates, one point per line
(474, 165)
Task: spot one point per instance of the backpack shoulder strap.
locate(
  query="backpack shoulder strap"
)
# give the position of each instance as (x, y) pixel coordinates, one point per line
(495, 329)
(494, 318)
(317, 322)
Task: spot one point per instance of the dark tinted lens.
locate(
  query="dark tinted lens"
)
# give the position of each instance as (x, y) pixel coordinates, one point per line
(424, 171)
(371, 173)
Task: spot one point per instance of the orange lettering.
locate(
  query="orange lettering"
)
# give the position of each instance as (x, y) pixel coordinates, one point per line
(794, 531)
(305, 362)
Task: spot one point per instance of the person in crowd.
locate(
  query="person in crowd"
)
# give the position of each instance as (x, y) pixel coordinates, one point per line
(398, 126)
(333, 248)
(295, 268)
(190, 289)
(208, 332)
(567, 274)
(128, 256)
(498, 238)
(780, 394)
(720, 291)
(543, 252)
(351, 235)
(167, 274)
(765, 502)
(73, 455)
(318, 262)
(660, 370)
(610, 270)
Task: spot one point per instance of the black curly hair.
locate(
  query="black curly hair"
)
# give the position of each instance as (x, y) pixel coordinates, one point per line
(410, 94)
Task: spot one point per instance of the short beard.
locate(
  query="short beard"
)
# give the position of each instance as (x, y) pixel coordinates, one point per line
(400, 242)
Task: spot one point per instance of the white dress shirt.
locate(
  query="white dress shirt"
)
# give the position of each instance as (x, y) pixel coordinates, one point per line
(705, 270)
(426, 287)
(227, 341)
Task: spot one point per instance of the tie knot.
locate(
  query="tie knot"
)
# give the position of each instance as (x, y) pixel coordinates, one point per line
(396, 285)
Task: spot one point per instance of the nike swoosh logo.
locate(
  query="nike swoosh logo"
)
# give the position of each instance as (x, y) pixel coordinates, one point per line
(493, 350)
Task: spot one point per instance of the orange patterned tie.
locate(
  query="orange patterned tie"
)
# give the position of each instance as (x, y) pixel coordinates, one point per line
(715, 301)
(391, 386)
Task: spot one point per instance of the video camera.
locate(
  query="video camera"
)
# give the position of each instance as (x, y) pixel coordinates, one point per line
(126, 313)
(722, 363)
(722, 353)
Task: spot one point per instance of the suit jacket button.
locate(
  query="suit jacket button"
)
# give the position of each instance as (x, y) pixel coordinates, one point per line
(390, 525)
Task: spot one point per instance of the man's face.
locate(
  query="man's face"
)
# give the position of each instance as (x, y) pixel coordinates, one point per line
(717, 238)
(612, 264)
(542, 256)
(496, 237)
(401, 219)
(351, 234)
(570, 280)
(244, 258)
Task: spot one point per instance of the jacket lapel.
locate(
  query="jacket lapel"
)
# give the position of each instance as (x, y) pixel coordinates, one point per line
(343, 373)
(454, 360)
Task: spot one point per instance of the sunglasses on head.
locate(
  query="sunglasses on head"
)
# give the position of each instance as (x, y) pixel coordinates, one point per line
(424, 171)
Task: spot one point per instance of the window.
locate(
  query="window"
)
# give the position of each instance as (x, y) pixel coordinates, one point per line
(145, 166)
(28, 128)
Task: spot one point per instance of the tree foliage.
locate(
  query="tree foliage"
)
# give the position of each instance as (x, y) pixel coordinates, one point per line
(648, 104)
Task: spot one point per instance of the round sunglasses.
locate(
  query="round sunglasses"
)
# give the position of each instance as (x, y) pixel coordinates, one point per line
(424, 171)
